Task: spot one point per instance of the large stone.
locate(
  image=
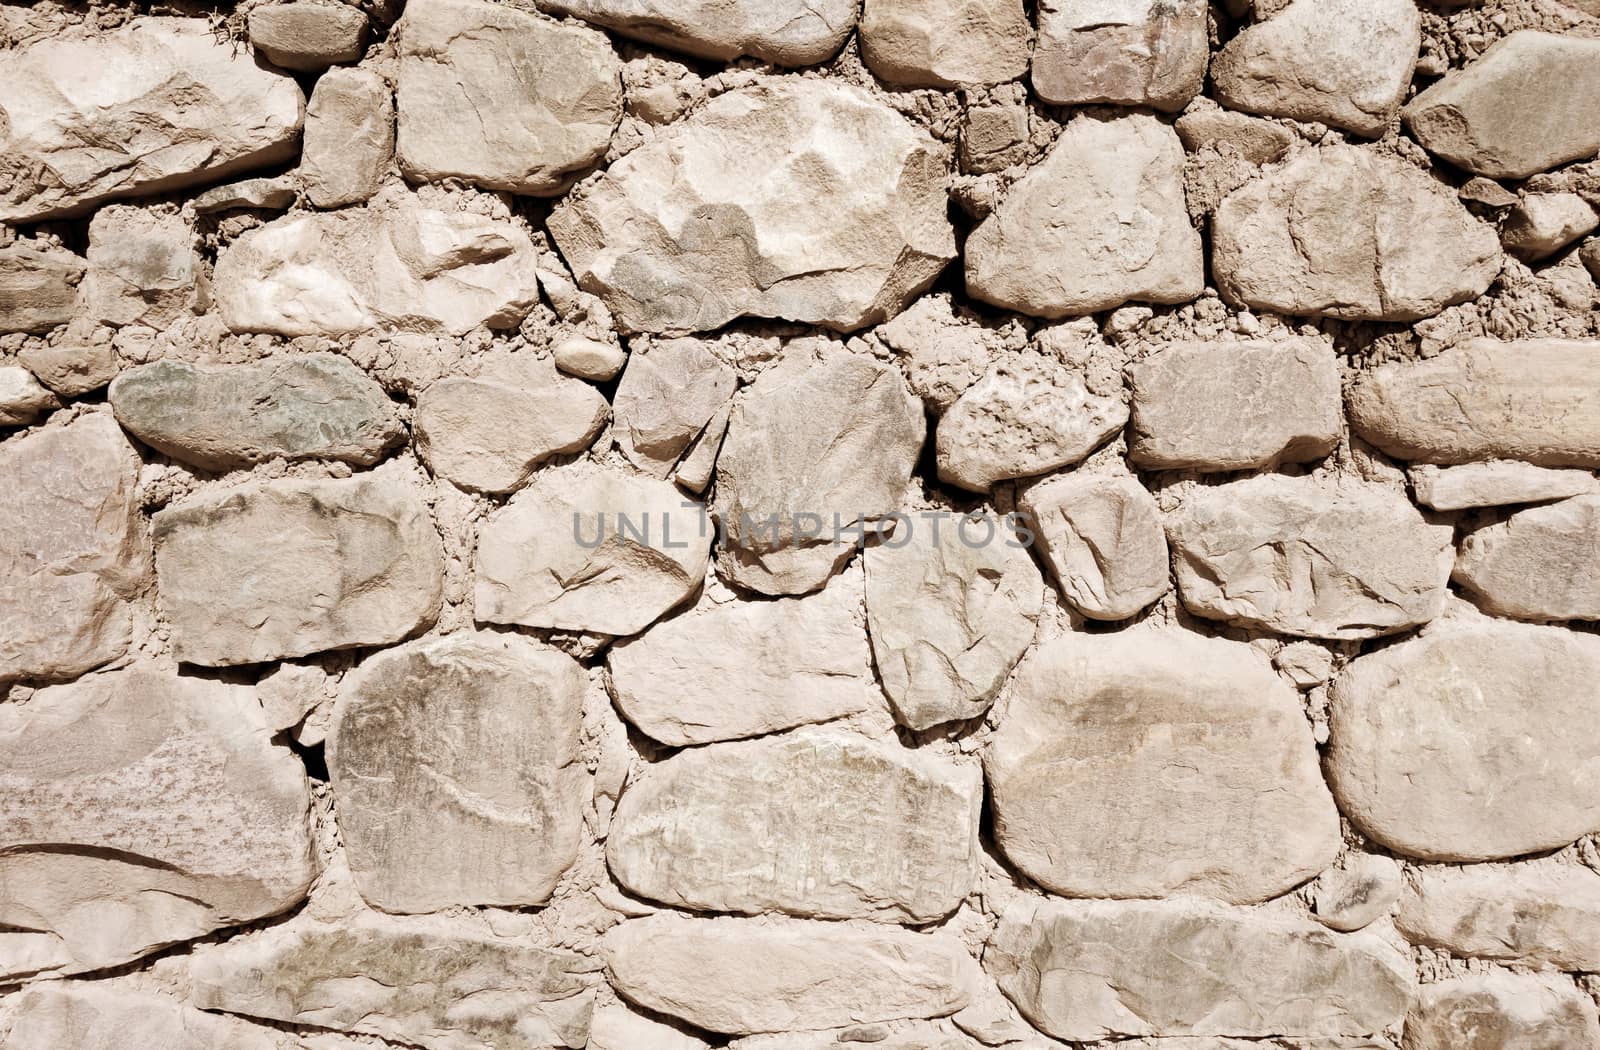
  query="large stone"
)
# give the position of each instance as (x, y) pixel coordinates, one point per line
(73, 550)
(815, 823)
(1102, 541)
(143, 268)
(308, 37)
(96, 1017)
(1146, 53)
(1100, 221)
(700, 226)
(137, 810)
(1501, 1011)
(1524, 915)
(287, 568)
(1348, 233)
(38, 286)
(168, 104)
(1540, 563)
(1298, 556)
(738, 976)
(945, 43)
(1153, 764)
(22, 398)
(1496, 483)
(349, 138)
(667, 398)
(1472, 742)
(1089, 970)
(1526, 106)
(305, 406)
(766, 29)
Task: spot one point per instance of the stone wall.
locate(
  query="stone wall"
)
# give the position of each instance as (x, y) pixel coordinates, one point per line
(932, 524)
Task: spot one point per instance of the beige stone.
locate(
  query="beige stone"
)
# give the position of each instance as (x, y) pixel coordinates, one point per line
(765, 29)
(1103, 542)
(1145, 53)
(349, 137)
(905, 1035)
(1358, 893)
(1496, 483)
(696, 469)
(667, 399)
(1544, 223)
(994, 137)
(615, 1027)
(308, 37)
(945, 43)
(73, 367)
(273, 193)
(96, 1017)
(22, 398)
(1540, 563)
(290, 692)
(589, 359)
(143, 268)
(38, 286)
(1257, 141)
(1498, 1011)
(942, 349)
(1524, 915)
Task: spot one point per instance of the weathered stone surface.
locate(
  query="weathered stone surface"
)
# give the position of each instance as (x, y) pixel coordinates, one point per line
(1293, 555)
(1358, 894)
(1544, 223)
(1125, 235)
(904, 1035)
(818, 442)
(941, 348)
(94, 1017)
(71, 367)
(994, 137)
(1496, 483)
(1544, 917)
(1472, 742)
(143, 268)
(615, 1027)
(1235, 406)
(699, 463)
(308, 565)
(349, 137)
(22, 399)
(1151, 764)
(290, 692)
(1536, 400)
(305, 406)
(1590, 256)
(1257, 141)
(559, 555)
(173, 105)
(1344, 232)
(1095, 969)
(1103, 542)
(1540, 563)
(267, 194)
(38, 286)
(737, 976)
(140, 809)
(73, 550)
(1499, 1011)
(773, 32)
(1526, 106)
(1146, 53)
(699, 226)
(667, 398)
(1487, 192)
(945, 43)
(308, 37)
(589, 359)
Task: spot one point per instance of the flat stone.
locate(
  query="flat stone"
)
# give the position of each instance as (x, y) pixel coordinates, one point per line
(107, 855)
(1257, 141)
(1235, 406)
(88, 1016)
(873, 234)
(143, 268)
(174, 105)
(667, 398)
(290, 692)
(1540, 563)
(304, 406)
(1102, 541)
(1335, 233)
(1487, 192)
(1355, 896)
(1491, 1011)
(945, 43)
(267, 194)
(1496, 483)
(994, 137)
(1544, 223)
(1146, 53)
(38, 286)
(590, 359)
(1523, 915)
(349, 137)
(22, 398)
(279, 569)
(1472, 742)
(1088, 970)
(1526, 106)
(72, 367)
(771, 32)
(615, 1027)
(905, 1035)
(695, 471)
(308, 37)
(1154, 764)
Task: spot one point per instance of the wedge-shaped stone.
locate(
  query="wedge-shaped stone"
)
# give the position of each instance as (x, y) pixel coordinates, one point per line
(349, 137)
(667, 399)
(1103, 542)
(1472, 742)
(1496, 483)
(1317, 560)
(73, 367)
(38, 286)
(1532, 916)
(700, 226)
(1091, 970)
(945, 43)
(1542, 224)
(1498, 1011)
(739, 976)
(1541, 563)
(96, 1017)
(1146, 53)
(1152, 764)
(169, 104)
(139, 809)
(286, 568)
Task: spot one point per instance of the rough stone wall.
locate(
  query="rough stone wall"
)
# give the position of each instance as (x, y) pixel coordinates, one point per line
(658, 524)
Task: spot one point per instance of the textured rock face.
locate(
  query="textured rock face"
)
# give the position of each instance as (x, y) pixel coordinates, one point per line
(1544, 223)
(1102, 541)
(349, 138)
(38, 286)
(1357, 895)
(1488, 1011)
(143, 268)
(945, 43)
(1546, 917)
(171, 106)
(773, 32)
(698, 227)
(89, 1017)
(308, 37)
(22, 398)
(105, 856)
(1146, 53)
(1538, 564)
(667, 400)
(1496, 483)
(71, 369)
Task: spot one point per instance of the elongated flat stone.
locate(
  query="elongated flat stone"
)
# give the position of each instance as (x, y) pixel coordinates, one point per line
(92, 1017)
(1496, 483)
(772, 32)
(1521, 914)
(38, 286)
(1144, 53)
(1541, 563)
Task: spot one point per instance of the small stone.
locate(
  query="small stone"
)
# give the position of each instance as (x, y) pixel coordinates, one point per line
(1146, 53)
(268, 194)
(89, 1016)
(1499, 1011)
(1305, 663)
(1257, 141)
(667, 397)
(1355, 896)
(143, 268)
(590, 359)
(290, 692)
(308, 37)
(1545, 223)
(349, 137)
(945, 43)
(1496, 483)
(72, 367)
(1522, 915)
(1590, 256)
(941, 350)
(38, 286)
(22, 399)
(1103, 542)
(994, 137)
(771, 32)
(1487, 192)
(699, 463)
(616, 1027)
(1540, 563)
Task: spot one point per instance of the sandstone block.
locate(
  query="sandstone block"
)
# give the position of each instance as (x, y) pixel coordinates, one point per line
(22, 399)
(308, 37)
(667, 399)
(772, 32)
(1257, 141)
(95, 1017)
(72, 367)
(1496, 483)
(945, 43)
(1490, 1011)
(1544, 223)
(994, 137)
(1145, 53)
(143, 268)
(1523, 915)
(1358, 894)
(1103, 542)
(38, 286)
(1540, 563)
(349, 137)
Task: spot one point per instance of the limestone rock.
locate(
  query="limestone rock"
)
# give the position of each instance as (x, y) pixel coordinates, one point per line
(694, 471)
(38, 286)
(173, 105)
(1544, 223)
(96, 1017)
(764, 29)
(1103, 542)
(1344, 232)
(1358, 894)
(501, 97)
(667, 398)
(349, 137)
(1153, 764)
(1526, 106)
(904, 1035)
(1295, 556)
(143, 268)
(139, 810)
(22, 399)
(1257, 141)
(994, 137)
(1523, 915)
(1125, 235)
(942, 350)
(309, 566)
(616, 1027)
(699, 226)
(1590, 256)
(72, 367)
(305, 406)
(1146, 53)
(1540, 563)
(1495, 1010)
(266, 194)
(1469, 743)
(1479, 190)
(308, 37)
(1496, 483)
(945, 43)
(589, 359)
(290, 692)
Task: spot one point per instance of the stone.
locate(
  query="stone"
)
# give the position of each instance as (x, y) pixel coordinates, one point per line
(141, 810)
(304, 406)
(817, 443)
(393, 264)
(906, 1035)
(1498, 1011)
(951, 608)
(730, 668)
(771, 32)
(590, 359)
(994, 137)
(143, 268)
(1155, 764)
(1540, 563)
(174, 105)
(1522, 108)
(73, 555)
(290, 692)
(584, 548)
(1235, 406)
(1470, 743)
(1544, 223)
(655, 236)
(22, 399)
(738, 976)
(1146, 53)
(1521, 915)
(1028, 415)
(1257, 141)
(616, 1027)
(1536, 400)
(1496, 483)
(696, 469)
(72, 367)
(1039, 255)
(38, 286)
(308, 37)
(941, 349)
(96, 1017)
(309, 566)
(1590, 256)
(945, 43)
(1487, 192)
(1102, 541)
(1341, 62)
(349, 137)
(667, 398)
(1296, 556)
(266, 194)
(1088, 970)
(1347, 233)
(1355, 896)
